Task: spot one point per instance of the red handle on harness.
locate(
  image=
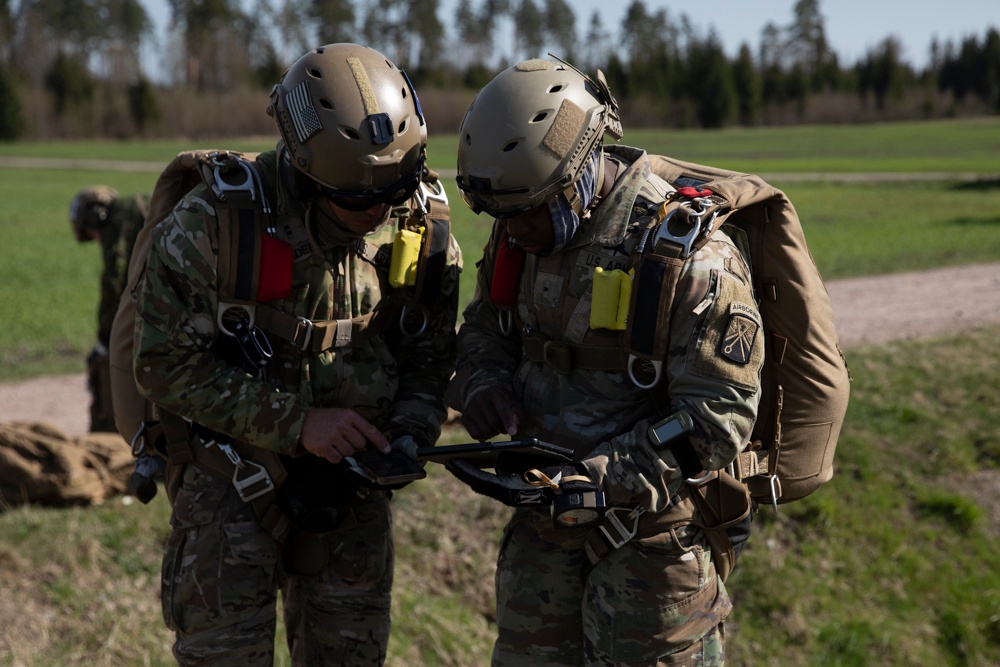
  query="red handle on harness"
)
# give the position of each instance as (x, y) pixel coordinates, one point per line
(507, 275)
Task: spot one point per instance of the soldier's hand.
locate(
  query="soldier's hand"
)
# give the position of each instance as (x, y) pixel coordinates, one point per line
(491, 412)
(333, 433)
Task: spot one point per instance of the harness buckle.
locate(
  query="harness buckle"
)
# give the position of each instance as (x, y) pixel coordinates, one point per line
(559, 356)
(624, 533)
(307, 338)
(254, 485)
(221, 186)
(427, 191)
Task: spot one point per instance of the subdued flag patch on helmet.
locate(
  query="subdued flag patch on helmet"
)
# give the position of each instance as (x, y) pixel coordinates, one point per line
(303, 114)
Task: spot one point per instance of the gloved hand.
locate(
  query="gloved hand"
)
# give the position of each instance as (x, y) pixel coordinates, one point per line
(408, 445)
(507, 487)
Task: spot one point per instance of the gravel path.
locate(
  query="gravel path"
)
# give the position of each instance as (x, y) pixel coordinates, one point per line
(868, 311)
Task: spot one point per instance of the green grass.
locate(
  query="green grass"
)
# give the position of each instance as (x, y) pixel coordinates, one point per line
(938, 146)
(890, 564)
(968, 145)
(48, 282)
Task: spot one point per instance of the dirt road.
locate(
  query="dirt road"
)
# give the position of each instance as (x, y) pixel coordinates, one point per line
(868, 311)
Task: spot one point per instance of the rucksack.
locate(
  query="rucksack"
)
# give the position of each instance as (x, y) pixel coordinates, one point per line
(41, 465)
(804, 378)
(253, 268)
(805, 383)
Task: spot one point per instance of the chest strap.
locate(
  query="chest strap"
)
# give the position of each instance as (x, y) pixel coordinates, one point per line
(321, 335)
(566, 357)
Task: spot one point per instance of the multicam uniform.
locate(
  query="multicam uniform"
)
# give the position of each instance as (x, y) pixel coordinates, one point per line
(656, 600)
(221, 569)
(125, 218)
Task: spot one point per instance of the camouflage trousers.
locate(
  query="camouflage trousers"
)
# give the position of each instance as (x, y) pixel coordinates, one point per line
(655, 601)
(222, 572)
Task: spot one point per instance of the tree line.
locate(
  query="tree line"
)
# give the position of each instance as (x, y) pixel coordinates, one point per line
(82, 63)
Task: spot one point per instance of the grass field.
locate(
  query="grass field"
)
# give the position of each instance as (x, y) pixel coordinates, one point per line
(48, 282)
(889, 564)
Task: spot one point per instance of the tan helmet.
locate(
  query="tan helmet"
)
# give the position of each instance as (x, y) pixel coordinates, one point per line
(89, 210)
(351, 122)
(529, 134)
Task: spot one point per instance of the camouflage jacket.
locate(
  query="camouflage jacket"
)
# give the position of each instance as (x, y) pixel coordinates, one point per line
(125, 219)
(601, 414)
(396, 383)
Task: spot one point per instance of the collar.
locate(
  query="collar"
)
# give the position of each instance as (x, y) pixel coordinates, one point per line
(609, 219)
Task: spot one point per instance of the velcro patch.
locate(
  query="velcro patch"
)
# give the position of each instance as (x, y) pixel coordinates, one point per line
(737, 341)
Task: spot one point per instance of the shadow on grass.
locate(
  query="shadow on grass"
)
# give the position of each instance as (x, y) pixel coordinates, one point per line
(979, 185)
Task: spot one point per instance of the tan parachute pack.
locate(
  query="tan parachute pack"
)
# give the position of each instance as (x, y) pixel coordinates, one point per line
(253, 269)
(41, 465)
(805, 381)
(183, 173)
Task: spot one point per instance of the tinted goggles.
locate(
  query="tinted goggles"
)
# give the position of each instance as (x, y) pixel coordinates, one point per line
(362, 200)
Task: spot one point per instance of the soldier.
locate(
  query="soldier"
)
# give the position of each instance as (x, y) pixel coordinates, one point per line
(359, 368)
(99, 213)
(610, 559)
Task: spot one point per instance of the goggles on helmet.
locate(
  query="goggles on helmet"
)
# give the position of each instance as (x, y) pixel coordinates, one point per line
(362, 200)
(492, 203)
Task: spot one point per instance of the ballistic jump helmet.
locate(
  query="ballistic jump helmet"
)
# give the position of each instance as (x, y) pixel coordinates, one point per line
(89, 210)
(530, 133)
(350, 121)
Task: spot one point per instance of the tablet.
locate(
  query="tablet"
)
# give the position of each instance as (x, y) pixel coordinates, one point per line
(484, 454)
(385, 471)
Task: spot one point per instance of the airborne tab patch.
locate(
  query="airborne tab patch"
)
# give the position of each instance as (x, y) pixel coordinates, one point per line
(737, 341)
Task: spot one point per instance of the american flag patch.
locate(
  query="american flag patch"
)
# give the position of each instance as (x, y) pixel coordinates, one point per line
(303, 114)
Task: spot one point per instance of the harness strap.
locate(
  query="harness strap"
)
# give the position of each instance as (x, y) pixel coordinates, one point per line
(565, 357)
(433, 252)
(320, 335)
(715, 505)
(679, 514)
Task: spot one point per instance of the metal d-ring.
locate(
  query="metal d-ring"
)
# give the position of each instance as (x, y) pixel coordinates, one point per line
(505, 318)
(423, 324)
(657, 368)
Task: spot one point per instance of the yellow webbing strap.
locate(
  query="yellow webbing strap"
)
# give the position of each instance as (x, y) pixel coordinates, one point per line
(536, 477)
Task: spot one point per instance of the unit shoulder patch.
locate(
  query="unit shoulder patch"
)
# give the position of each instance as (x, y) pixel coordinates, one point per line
(737, 341)
(729, 344)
